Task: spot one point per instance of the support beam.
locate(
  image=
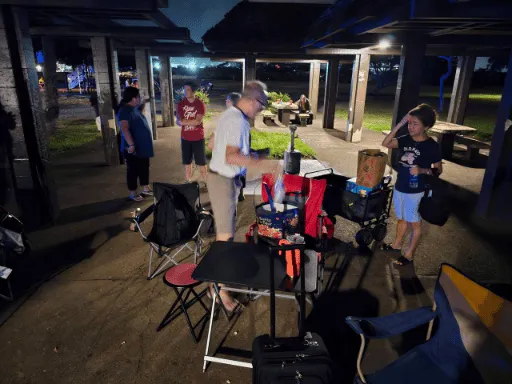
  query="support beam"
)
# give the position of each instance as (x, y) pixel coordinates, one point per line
(408, 84)
(460, 91)
(145, 77)
(166, 91)
(409, 77)
(177, 33)
(314, 86)
(27, 187)
(51, 95)
(331, 92)
(249, 69)
(106, 75)
(357, 98)
(494, 201)
(123, 6)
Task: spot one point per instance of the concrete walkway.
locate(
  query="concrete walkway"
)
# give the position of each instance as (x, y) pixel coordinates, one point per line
(95, 320)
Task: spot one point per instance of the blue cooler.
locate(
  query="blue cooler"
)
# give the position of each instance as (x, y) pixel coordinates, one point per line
(351, 186)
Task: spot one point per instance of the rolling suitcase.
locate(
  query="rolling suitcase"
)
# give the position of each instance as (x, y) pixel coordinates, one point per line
(303, 359)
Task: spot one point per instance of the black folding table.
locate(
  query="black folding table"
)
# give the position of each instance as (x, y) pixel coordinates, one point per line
(246, 265)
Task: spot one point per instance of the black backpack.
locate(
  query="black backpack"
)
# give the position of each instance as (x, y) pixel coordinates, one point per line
(175, 219)
(434, 205)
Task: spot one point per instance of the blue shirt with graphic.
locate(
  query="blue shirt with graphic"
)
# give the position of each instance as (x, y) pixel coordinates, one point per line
(420, 153)
(139, 129)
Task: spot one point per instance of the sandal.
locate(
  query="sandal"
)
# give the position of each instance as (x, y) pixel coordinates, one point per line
(402, 261)
(137, 198)
(389, 248)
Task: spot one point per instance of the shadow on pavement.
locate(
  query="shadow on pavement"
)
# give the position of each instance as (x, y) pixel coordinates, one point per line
(90, 211)
(32, 270)
(328, 320)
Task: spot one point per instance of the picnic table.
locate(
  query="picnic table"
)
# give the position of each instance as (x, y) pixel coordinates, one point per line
(284, 110)
(446, 133)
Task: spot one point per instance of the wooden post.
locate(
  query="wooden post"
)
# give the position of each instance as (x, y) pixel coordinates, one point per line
(331, 92)
(358, 89)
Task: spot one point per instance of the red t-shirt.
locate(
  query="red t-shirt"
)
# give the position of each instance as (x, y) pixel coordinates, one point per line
(189, 111)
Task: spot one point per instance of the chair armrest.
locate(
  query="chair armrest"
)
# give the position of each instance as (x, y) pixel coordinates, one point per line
(145, 214)
(391, 325)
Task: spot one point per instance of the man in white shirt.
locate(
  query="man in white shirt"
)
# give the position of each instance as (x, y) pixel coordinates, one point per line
(230, 160)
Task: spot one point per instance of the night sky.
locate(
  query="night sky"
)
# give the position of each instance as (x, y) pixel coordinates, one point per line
(198, 15)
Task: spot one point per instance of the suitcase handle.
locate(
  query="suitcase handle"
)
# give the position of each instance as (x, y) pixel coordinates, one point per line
(320, 170)
(273, 253)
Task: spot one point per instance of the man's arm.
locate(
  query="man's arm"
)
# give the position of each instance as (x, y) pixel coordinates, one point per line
(194, 122)
(235, 157)
(390, 140)
(211, 141)
(436, 170)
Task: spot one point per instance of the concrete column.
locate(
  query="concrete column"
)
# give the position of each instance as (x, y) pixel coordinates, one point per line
(460, 91)
(145, 77)
(105, 67)
(494, 201)
(166, 91)
(357, 98)
(51, 95)
(314, 86)
(249, 69)
(30, 189)
(331, 92)
(409, 82)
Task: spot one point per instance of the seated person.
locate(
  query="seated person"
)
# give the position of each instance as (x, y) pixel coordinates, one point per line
(304, 107)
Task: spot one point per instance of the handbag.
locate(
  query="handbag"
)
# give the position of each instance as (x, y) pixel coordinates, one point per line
(434, 207)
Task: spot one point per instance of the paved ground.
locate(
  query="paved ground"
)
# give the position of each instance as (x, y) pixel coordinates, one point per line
(95, 321)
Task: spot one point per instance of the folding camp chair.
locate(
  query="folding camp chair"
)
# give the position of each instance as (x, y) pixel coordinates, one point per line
(161, 225)
(472, 343)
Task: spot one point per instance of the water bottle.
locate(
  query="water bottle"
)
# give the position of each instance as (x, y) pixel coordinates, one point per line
(413, 180)
(279, 190)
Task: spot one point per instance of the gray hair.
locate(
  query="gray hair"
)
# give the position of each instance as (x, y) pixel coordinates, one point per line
(255, 90)
(234, 97)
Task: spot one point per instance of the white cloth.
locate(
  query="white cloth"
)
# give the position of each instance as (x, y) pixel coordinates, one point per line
(232, 129)
(406, 206)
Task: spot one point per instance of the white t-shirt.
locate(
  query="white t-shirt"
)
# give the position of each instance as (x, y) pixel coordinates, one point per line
(232, 129)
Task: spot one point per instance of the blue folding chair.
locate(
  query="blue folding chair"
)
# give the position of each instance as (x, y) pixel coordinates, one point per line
(472, 343)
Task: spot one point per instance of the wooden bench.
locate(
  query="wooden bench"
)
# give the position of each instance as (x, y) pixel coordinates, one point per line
(473, 146)
(268, 117)
(303, 118)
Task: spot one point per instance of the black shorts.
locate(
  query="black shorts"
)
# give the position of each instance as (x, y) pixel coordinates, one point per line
(193, 150)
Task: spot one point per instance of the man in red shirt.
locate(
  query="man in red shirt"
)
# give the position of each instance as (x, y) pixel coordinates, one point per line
(191, 111)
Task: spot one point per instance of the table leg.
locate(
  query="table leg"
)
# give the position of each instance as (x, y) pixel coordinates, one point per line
(285, 117)
(446, 142)
(214, 299)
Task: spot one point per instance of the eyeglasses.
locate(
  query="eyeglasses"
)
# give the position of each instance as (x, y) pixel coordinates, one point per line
(263, 105)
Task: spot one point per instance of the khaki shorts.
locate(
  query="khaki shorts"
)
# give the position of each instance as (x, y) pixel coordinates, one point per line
(224, 199)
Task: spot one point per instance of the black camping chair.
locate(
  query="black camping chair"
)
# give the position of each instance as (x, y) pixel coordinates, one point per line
(163, 224)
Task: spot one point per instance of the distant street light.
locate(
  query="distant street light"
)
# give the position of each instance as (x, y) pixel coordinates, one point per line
(384, 44)
(39, 68)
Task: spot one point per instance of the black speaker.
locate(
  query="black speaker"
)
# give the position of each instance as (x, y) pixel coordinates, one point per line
(292, 162)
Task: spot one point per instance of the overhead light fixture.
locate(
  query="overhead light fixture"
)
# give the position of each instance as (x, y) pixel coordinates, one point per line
(39, 68)
(384, 44)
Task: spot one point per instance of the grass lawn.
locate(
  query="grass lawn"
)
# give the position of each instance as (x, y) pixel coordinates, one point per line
(480, 113)
(277, 142)
(72, 134)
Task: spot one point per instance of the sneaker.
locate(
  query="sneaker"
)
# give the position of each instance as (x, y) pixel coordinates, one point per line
(147, 193)
(134, 197)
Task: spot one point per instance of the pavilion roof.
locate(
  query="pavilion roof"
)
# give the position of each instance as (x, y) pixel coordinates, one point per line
(456, 26)
(263, 28)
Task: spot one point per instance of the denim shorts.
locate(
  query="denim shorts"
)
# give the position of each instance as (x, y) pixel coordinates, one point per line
(406, 206)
